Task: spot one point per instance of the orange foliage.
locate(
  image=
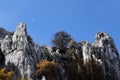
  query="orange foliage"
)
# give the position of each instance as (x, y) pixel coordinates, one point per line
(4, 75)
(47, 68)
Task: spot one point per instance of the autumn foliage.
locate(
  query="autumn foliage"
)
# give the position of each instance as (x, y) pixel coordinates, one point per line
(48, 69)
(5, 75)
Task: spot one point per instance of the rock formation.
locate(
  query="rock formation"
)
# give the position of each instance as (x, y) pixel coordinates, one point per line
(108, 55)
(19, 53)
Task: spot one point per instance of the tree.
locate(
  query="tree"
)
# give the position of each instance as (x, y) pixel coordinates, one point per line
(93, 69)
(49, 69)
(61, 39)
(5, 75)
(71, 71)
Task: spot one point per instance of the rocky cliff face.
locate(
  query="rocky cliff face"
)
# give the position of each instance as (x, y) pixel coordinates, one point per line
(109, 55)
(19, 51)
(3, 33)
(20, 54)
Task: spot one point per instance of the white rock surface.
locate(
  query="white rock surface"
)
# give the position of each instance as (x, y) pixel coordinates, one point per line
(22, 54)
(19, 50)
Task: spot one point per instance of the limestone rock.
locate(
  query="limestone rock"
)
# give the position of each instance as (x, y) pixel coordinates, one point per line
(19, 53)
(3, 33)
(19, 50)
(109, 55)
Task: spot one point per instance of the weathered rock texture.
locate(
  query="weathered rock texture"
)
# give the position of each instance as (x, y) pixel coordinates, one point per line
(109, 55)
(21, 54)
(19, 51)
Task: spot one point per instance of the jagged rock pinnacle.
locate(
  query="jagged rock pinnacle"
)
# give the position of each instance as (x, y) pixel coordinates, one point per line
(103, 39)
(21, 29)
(20, 37)
(22, 54)
(19, 51)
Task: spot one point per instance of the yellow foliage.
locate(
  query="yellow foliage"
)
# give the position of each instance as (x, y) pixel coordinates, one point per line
(48, 68)
(5, 75)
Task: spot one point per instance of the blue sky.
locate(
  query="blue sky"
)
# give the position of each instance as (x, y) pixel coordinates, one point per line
(82, 19)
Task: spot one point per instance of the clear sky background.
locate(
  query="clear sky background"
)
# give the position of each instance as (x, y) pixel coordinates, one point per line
(82, 19)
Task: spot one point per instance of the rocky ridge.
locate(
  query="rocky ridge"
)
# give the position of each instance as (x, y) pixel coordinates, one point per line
(20, 54)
